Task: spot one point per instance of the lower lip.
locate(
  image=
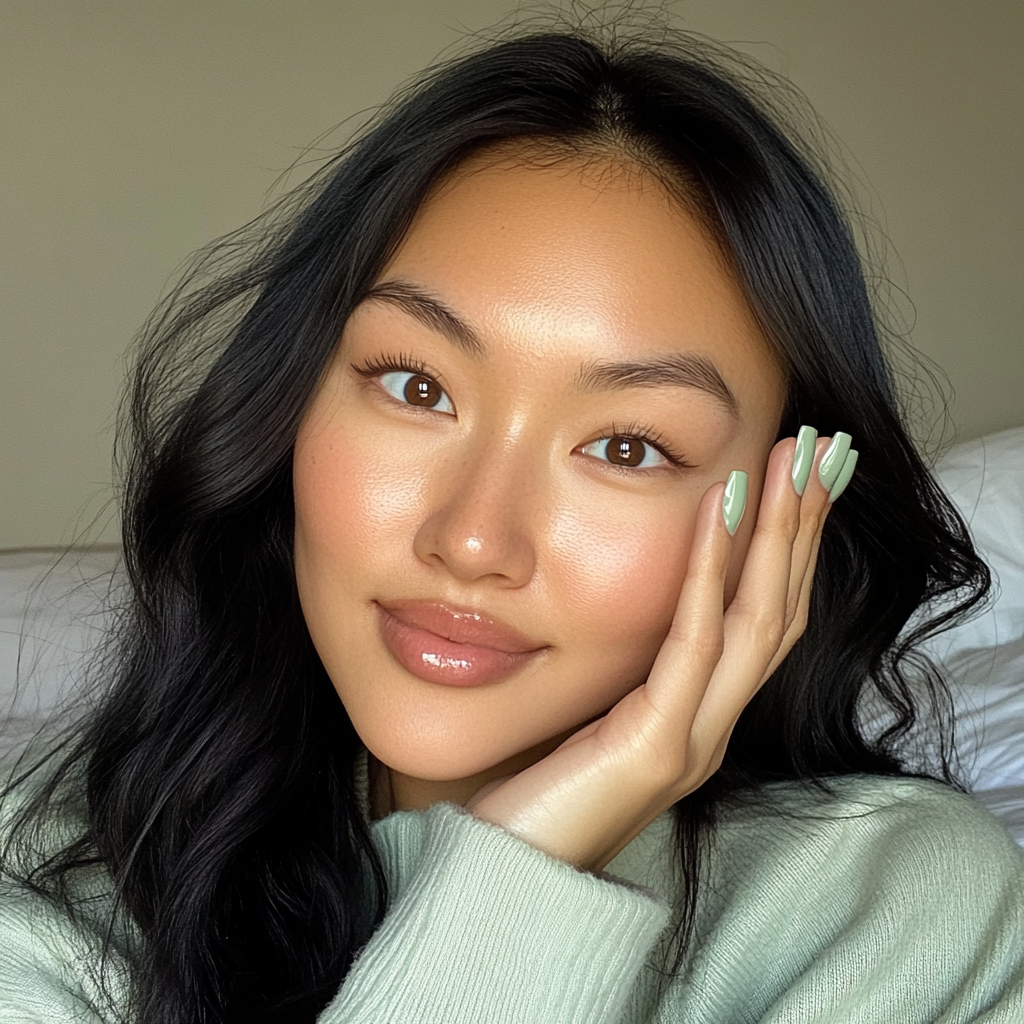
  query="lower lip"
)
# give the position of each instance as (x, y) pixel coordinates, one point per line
(436, 659)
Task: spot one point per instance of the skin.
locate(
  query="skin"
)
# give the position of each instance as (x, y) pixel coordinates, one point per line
(621, 574)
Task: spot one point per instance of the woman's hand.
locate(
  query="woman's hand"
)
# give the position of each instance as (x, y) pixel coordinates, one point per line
(587, 799)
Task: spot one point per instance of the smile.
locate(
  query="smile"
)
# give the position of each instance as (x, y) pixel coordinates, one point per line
(439, 643)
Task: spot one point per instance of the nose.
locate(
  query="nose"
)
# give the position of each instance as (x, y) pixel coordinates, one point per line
(479, 525)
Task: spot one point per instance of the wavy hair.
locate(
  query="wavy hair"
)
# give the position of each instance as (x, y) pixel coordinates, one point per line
(217, 766)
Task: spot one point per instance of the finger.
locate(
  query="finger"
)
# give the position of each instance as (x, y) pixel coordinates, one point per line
(798, 623)
(767, 616)
(757, 612)
(813, 509)
(815, 506)
(823, 498)
(690, 651)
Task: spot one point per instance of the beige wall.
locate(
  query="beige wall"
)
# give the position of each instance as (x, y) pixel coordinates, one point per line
(133, 132)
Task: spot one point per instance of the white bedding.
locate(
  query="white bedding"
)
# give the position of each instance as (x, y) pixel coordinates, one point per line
(984, 658)
(51, 616)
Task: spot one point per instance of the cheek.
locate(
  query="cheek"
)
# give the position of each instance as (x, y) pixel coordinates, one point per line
(351, 502)
(618, 567)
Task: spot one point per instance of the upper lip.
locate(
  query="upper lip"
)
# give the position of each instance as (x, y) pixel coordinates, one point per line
(461, 625)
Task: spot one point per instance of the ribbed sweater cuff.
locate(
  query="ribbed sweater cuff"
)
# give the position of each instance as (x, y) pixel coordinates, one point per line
(491, 929)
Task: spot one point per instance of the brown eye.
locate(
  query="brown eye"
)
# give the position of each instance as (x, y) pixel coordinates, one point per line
(625, 451)
(422, 391)
(416, 389)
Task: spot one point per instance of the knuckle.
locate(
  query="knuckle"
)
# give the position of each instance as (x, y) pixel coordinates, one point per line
(668, 772)
(708, 646)
(703, 645)
(769, 629)
(663, 767)
(764, 618)
(786, 525)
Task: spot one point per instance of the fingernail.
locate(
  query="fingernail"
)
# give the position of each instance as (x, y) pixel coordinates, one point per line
(845, 476)
(734, 501)
(831, 464)
(803, 457)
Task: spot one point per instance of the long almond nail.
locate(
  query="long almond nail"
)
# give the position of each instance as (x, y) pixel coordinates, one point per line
(734, 501)
(831, 464)
(803, 457)
(845, 475)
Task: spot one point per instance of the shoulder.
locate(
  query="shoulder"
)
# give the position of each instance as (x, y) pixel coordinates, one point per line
(63, 954)
(911, 845)
(917, 823)
(882, 899)
(57, 966)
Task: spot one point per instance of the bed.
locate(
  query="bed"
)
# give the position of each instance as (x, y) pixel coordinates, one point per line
(52, 616)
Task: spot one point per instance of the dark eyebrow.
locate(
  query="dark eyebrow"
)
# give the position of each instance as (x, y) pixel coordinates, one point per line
(676, 369)
(430, 311)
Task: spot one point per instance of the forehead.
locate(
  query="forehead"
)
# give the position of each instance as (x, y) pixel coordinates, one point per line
(583, 258)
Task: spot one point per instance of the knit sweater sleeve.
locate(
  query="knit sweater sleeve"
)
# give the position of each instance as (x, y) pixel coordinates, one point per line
(486, 928)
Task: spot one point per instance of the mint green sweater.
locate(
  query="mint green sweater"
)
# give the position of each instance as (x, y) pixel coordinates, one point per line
(898, 901)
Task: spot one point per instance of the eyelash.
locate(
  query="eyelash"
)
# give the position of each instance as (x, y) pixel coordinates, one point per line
(649, 436)
(402, 363)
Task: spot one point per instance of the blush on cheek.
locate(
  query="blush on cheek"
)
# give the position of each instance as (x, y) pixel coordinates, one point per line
(383, 506)
(351, 499)
(621, 575)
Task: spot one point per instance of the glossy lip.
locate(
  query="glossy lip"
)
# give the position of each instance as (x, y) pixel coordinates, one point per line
(452, 646)
(462, 625)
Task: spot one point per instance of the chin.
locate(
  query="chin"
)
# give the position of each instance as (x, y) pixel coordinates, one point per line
(436, 755)
(444, 734)
(433, 764)
(461, 746)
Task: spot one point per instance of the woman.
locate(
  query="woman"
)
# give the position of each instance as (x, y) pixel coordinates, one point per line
(589, 297)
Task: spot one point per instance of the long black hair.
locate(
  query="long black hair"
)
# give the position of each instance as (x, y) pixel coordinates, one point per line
(217, 768)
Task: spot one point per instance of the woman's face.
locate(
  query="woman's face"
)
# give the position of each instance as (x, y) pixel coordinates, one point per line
(481, 569)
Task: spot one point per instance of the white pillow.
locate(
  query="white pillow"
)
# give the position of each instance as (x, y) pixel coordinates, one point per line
(984, 658)
(988, 688)
(985, 479)
(52, 617)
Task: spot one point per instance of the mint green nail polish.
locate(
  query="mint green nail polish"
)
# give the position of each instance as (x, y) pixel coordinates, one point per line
(831, 464)
(803, 457)
(845, 476)
(734, 501)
